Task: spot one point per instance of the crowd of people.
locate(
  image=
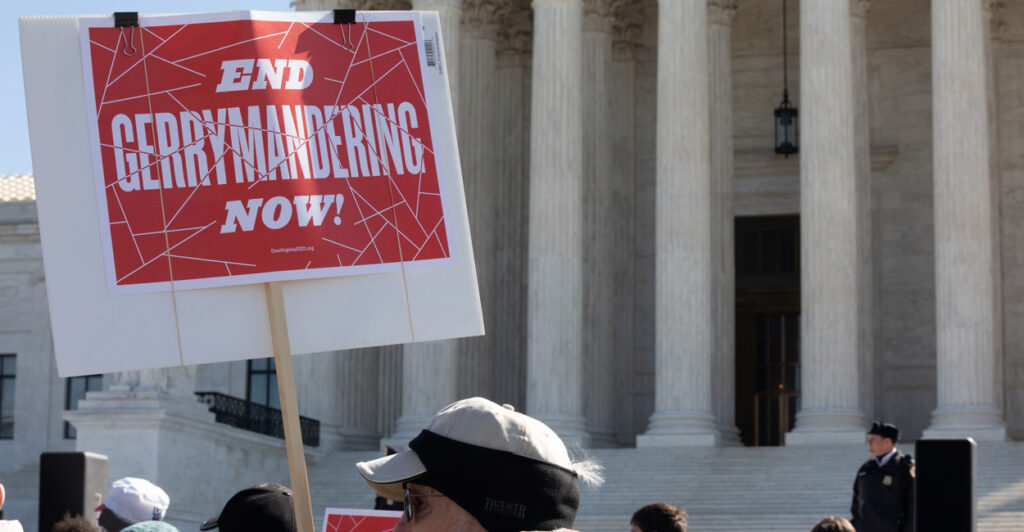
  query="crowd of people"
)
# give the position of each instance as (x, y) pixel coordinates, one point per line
(478, 467)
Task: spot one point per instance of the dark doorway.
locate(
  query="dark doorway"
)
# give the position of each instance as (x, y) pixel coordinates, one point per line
(767, 327)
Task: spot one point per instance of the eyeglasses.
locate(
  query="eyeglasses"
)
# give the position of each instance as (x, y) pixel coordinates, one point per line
(409, 497)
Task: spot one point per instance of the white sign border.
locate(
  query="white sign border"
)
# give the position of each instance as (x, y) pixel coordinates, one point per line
(256, 278)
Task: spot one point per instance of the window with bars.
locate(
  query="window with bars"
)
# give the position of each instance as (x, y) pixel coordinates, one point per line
(262, 383)
(76, 388)
(768, 252)
(7, 374)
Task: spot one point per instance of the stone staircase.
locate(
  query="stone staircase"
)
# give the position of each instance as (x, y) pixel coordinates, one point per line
(723, 489)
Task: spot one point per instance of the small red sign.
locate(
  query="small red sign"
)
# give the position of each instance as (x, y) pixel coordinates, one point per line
(253, 150)
(337, 520)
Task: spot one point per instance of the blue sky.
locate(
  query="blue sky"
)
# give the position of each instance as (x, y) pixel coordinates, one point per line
(15, 156)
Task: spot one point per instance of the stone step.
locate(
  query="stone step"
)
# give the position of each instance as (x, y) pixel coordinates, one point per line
(800, 522)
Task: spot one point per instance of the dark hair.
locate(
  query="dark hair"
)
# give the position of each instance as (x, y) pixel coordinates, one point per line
(660, 517)
(111, 521)
(74, 524)
(834, 524)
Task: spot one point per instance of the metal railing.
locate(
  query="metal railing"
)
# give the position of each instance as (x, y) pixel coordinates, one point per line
(255, 417)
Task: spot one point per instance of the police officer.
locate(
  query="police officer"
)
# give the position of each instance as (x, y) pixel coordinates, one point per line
(883, 493)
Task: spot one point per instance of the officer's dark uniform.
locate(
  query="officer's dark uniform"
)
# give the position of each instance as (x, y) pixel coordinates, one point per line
(883, 497)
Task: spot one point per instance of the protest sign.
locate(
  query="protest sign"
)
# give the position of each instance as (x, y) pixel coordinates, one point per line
(344, 520)
(249, 150)
(237, 148)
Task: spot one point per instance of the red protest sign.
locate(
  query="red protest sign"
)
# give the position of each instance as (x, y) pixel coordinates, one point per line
(242, 151)
(337, 520)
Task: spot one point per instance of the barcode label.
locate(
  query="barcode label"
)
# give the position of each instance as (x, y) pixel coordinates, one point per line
(431, 52)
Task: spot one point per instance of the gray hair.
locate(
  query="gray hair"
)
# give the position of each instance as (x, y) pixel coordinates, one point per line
(589, 469)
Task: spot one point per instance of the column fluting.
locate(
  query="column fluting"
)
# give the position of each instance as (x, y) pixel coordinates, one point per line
(554, 350)
(966, 300)
(829, 236)
(684, 326)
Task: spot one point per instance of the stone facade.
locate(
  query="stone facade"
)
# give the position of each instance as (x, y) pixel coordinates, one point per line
(609, 300)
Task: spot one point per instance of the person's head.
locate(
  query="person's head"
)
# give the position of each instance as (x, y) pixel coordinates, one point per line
(265, 507)
(74, 524)
(110, 522)
(480, 466)
(834, 523)
(658, 517)
(882, 438)
(132, 500)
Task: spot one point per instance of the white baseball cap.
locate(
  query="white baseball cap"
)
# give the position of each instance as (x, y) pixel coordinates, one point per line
(476, 421)
(136, 500)
(507, 469)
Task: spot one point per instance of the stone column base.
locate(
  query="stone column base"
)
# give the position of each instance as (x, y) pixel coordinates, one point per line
(407, 427)
(729, 436)
(680, 429)
(677, 440)
(348, 439)
(828, 427)
(979, 434)
(979, 422)
(602, 437)
(572, 429)
(826, 437)
(395, 443)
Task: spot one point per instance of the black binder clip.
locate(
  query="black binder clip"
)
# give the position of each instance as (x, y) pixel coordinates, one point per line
(345, 17)
(127, 19)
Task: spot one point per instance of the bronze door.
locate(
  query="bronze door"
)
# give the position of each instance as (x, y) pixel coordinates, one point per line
(767, 328)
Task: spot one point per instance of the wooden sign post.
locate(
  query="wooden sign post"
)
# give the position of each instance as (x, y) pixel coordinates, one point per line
(289, 408)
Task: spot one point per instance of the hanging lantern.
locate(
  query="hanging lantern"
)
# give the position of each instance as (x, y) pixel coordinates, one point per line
(787, 118)
(787, 129)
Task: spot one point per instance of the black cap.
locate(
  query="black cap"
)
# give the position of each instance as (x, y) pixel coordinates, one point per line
(265, 507)
(505, 492)
(885, 430)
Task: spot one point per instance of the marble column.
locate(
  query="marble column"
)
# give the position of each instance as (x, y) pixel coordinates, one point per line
(512, 99)
(358, 5)
(996, 25)
(966, 300)
(862, 155)
(554, 350)
(356, 388)
(598, 226)
(429, 368)
(684, 327)
(389, 387)
(627, 24)
(318, 396)
(319, 5)
(333, 388)
(723, 287)
(477, 131)
(428, 384)
(829, 236)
